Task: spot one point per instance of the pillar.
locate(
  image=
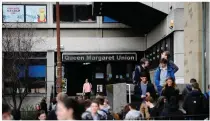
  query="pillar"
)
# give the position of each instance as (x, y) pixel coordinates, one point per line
(207, 43)
(179, 53)
(193, 41)
(50, 73)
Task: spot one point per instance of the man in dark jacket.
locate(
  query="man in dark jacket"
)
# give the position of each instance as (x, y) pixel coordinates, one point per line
(166, 55)
(195, 102)
(43, 105)
(143, 67)
(144, 89)
(188, 87)
(171, 110)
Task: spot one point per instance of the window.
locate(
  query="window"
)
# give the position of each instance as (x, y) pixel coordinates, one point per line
(66, 13)
(35, 71)
(24, 13)
(107, 19)
(154, 52)
(37, 14)
(84, 13)
(75, 13)
(13, 13)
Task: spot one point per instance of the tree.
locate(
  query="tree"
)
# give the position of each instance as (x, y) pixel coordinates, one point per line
(17, 44)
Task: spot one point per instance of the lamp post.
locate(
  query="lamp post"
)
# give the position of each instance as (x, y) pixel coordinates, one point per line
(59, 64)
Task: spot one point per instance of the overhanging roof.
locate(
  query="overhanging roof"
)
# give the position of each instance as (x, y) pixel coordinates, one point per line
(134, 14)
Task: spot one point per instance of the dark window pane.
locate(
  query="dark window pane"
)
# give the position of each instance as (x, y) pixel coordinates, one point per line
(84, 13)
(66, 13)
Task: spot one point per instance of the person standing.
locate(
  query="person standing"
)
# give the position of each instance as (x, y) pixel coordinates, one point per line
(166, 55)
(144, 89)
(195, 102)
(87, 87)
(162, 73)
(43, 105)
(188, 87)
(170, 90)
(143, 67)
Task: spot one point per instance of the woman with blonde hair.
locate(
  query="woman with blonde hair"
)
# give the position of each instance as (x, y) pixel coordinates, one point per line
(170, 89)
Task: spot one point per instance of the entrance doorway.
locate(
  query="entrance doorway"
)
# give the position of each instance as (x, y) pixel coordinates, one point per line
(76, 73)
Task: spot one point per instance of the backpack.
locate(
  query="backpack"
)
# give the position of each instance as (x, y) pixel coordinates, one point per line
(195, 105)
(109, 115)
(134, 73)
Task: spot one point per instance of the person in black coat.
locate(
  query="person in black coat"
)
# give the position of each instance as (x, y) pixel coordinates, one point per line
(171, 110)
(170, 90)
(195, 103)
(156, 111)
(142, 68)
(144, 89)
(43, 105)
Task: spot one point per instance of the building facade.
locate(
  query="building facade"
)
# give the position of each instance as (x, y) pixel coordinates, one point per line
(107, 46)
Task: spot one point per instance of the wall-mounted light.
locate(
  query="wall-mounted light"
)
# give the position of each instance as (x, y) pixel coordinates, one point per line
(171, 24)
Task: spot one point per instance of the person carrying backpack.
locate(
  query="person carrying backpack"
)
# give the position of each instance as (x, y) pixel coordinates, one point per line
(93, 113)
(103, 110)
(143, 67)
(195, 103)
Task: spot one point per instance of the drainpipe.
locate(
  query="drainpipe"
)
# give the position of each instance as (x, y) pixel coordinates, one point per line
(203, 47)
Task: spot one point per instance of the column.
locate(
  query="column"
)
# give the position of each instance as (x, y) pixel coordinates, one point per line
(207, 44)
(50, 73)
(179, 54)
(193, 42)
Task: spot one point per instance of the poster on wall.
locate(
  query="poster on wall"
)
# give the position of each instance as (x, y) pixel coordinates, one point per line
(13, 13)
(36, 14)
(99, 88)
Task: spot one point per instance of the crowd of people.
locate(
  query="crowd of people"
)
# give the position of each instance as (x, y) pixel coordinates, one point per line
(159, 99)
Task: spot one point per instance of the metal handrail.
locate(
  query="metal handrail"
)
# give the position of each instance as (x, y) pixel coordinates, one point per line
(129, 92)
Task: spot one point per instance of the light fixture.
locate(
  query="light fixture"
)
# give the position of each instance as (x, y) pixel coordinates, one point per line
(171, 24)
(86, 63)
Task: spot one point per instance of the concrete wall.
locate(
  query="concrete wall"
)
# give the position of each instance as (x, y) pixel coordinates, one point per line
(165, 6)
(179, 53)
(193, 41)
(76, 44)
(162, 30)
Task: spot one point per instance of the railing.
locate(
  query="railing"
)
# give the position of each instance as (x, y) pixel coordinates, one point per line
(28, 115)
